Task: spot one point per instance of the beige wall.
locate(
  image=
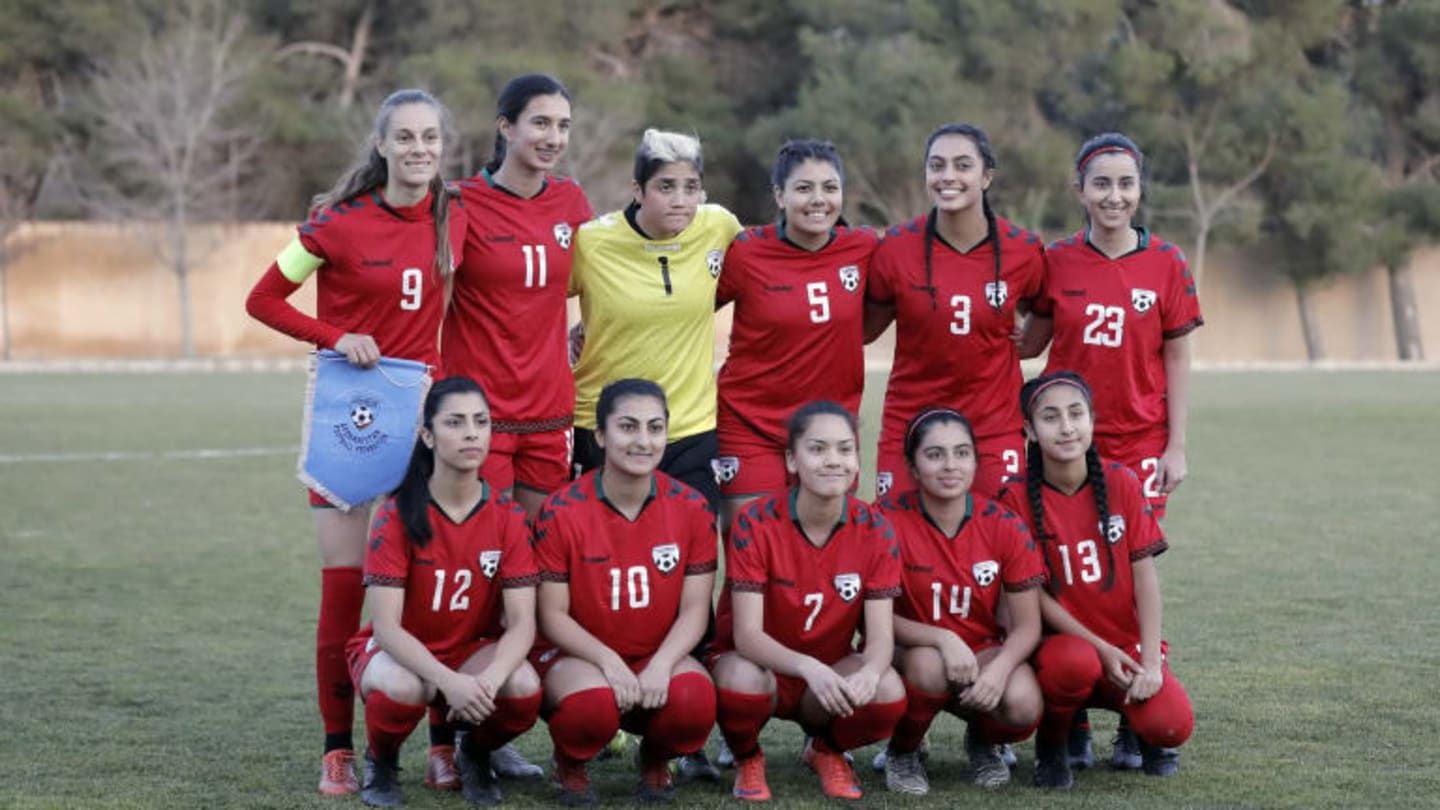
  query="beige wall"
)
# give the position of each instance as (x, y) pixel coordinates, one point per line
(80, 290)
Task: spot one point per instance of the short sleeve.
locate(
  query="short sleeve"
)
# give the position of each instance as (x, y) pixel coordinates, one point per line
(1031, 279)
(880, 281)
(550, 545)
(387, 554)
(1043, 303)
(882, 579)
(727, 289)
(1021, 566)
(580, 210)
(745, 568)
(702, 557)
(579, 263)
(1181, 313)
(1143, 535)
(518, 568)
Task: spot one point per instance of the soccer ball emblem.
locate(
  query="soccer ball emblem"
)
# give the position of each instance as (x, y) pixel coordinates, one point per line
(883, 482)
(562, 235)
(984, 572)
(1116, 529)
(361, 417)
(489, 563)
(725, 468)
(850, 277)
(1142, 300)
(996, 293)
(665, 557)
(848, 586)
(713, 260)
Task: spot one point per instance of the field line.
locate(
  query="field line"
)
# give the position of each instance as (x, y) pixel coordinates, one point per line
(145, 455)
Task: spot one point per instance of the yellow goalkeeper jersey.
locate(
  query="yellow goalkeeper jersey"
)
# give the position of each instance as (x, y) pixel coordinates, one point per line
(648, 306)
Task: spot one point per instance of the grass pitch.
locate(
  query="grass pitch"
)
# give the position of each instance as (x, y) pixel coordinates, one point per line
(157, 606)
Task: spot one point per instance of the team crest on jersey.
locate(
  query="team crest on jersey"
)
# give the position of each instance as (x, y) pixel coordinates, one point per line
(996, 292)
(985, 572)
(713, 260)
(489, 563)
(725, 468)
(883, 482)
(562, 235)
(1142, 300)
(848, 586)
(850, 277)
(1116, 528)
(666, 557)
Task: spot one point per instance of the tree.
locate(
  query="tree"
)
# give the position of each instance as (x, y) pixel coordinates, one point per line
(1397, 71)
(170, 145)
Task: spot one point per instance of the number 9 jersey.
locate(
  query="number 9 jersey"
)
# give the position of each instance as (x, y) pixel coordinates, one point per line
(625, 577)
(814, 597)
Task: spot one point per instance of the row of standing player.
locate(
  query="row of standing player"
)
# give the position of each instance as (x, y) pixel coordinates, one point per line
(625, 561)
(649, 278)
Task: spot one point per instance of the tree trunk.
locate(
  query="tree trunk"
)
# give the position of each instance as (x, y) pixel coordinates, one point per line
(1309, 326)
(179, 246)
(1202, 240)
(1403, 308)
(4, 299)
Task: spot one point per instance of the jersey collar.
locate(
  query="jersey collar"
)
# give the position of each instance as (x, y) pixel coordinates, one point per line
(780, 232)
(413, 213)
(484, 499)
(969, 509)
(1142, 244)
(795, 518)
(600, 493)
(490, 181)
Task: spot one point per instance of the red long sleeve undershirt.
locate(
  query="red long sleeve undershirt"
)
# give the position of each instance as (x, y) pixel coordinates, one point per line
(268, 304)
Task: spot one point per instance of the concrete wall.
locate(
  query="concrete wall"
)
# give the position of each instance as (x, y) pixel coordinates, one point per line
(83, 290)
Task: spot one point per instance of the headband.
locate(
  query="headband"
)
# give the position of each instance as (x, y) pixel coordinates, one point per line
(1051, 383)
(1106, 150)
(926, 414)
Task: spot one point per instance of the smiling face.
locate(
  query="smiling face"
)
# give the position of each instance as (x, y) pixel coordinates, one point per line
(1063, 423)
(825, 456)
(1110, 190)
(537, 139)
(459, 433)
(669, 199)
(634, 435)
(811, 199)
(411, 145)
(944, 462)
(955, 173)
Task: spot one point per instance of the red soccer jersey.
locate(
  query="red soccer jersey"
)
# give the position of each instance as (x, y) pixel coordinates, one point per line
(506, 325)
(453, 584)
(955, 582)
(798, 333)
(1112, 318)
(814, 597)
(1072, 545)
(625, 577)
(378, 275)
(952, 339)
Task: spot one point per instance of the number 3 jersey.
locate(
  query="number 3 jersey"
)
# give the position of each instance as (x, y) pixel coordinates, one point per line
(625, 577)
(506, 324)
(955, 582)
(798, 333)
(1089, 568)
(1112, 318)
(453, 585)
(814, 597)
(376, 274)
(952, 338)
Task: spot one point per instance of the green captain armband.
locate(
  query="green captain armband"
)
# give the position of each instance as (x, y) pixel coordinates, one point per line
(296, 263)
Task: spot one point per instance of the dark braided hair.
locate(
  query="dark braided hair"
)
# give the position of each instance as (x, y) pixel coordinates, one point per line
(987, 156)
(1035, 473)
(412, 496)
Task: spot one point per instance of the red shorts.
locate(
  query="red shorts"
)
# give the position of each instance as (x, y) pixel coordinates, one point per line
(543, 658)
(536, 461)
(363, 647)
(789, 690)
(1141, 453)
(746, 463)
(1000, 457)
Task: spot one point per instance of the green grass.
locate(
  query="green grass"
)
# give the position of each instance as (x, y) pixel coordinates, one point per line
(156, 614)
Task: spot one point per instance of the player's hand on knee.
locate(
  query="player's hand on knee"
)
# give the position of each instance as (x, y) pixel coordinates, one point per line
(623, 683)
(961, 668)
(829, 688)
(984, 694)
(1143, 686)
(654, 685)
(860, 686)
(1120, 668)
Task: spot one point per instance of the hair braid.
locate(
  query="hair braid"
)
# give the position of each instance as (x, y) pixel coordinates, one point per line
(1034, 480)
(993, 231)
(930, 233)
(1095, 472)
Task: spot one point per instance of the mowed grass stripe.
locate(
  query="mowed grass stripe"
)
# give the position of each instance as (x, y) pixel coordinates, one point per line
(159, 614)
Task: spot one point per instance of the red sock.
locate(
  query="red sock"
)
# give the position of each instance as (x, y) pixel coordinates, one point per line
(920, 710)
(871, 722)
(741, 715)
(583, 723)
(990, 730)
(341, 596)
(1067, 669)
(388, 723)
(683, 724)
(512, 717)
